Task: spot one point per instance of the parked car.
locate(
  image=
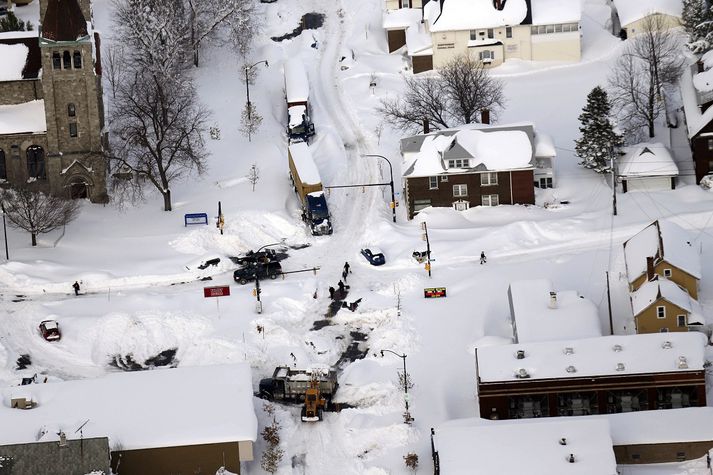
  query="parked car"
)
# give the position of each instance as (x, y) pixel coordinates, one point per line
(263, 271)
(250, 257)
(50, 330)
(374, 256)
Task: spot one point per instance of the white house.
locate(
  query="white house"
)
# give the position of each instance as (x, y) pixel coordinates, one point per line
(635, 14)
(540, 313)
(491, 30)
(647, 167)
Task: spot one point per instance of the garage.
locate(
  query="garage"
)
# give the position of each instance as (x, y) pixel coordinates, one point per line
(647, 167)
(652, 183)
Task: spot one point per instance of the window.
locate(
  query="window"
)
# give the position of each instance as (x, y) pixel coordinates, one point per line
(460, 190)
(486, 55)
(3, 168)
(36, 162)
(541, 30)
(72, 129)
(663, 330)
(487, 179)
(710, 144)
(550, 28)
(473, 35)
(71, 110)
(56, 61)
(533, 30)
(77, 60)
(458, 163)
(418, 205)
(635, 457)
(405, 4)
(508, 32)
(15, 151)
(66, 60)
(432, 182)
(461, 205)
(681, 320)
(558, 28)
(490, 200)
(667, 272)
(661, 312)
(574, 27)
(444, 178)
(491, 33)
(545, 182)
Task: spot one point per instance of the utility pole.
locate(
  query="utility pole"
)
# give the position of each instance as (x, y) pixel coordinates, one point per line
(4, 229)
(613, 179)
(611, 321)
(424, 236)
(392, 205)
(247, 82)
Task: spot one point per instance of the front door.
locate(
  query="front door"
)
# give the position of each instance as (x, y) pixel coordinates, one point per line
(78, 191)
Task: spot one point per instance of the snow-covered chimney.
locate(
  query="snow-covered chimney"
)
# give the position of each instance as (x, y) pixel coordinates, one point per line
(650, 272)
(553, 299)
(62, 439)
(485, 116)
(426, 126)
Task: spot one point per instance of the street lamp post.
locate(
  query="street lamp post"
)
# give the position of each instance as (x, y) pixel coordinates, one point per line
(247, 81)
(407, 416)
(257, 276)
(4, 230)
(391, 184)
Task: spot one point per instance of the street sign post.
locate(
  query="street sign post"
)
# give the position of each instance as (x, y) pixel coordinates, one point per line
(216, 291)
(434, 292)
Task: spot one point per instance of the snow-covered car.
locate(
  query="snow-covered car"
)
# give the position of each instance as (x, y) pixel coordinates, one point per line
(49, 329)
(374, 256)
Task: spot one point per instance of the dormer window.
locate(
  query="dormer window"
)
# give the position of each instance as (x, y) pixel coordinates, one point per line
(458, 163)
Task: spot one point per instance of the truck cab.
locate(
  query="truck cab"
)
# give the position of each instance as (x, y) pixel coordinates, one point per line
(316, 214)
(300, 127)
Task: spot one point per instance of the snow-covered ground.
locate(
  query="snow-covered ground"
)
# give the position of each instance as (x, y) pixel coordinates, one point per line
(141, 294)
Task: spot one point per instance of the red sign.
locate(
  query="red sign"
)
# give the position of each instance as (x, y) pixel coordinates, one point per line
(219, 291)
(434, 292)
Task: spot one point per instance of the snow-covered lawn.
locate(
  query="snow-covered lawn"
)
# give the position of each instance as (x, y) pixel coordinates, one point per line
(139, 298)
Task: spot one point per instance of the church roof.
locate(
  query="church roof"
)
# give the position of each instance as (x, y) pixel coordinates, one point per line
(63, 21)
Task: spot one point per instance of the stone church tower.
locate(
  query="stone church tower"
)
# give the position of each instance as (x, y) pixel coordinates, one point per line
(73, 98)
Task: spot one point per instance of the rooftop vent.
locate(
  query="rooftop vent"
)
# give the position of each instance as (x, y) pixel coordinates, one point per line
(571, 369)
(617, 348)
(569, 350)
(553, 300)
(620, 367)
(666, 345)
(520, 354)
(682, 362)
(570, 459)
(563, 441)
(522, 374)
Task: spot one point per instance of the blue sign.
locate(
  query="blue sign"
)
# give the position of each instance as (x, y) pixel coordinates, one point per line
(195, 218)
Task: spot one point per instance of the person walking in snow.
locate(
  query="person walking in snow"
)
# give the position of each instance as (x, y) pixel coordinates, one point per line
(483, 259)
(346, 268)
(75, 286)
(341, 286)
(331, 293)
(344, 275)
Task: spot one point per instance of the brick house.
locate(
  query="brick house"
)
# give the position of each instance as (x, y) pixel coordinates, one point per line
(490, 30)
(697, 95)
(474, 165)
(52, 135)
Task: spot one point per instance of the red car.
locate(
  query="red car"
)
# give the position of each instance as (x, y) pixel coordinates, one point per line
(50, 330)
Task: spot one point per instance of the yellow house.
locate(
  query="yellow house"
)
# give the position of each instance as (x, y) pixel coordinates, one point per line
(638, 16)
(492, 31)
(674, 257)
(660, 305)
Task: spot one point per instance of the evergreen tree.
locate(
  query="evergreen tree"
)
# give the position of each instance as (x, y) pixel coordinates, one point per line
(11, 23)
(697, 17)
(598, 136)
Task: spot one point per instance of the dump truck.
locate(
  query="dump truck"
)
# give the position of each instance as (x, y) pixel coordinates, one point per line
(299, 125)
(308, 185)
(314, 402)
(290, 384)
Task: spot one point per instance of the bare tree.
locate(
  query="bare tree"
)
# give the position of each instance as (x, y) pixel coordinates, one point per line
(244, 27)
(411, 461)
(272, 456)
(651, 62)
(35, 212)
(206, 16)
(113, 61)
(250, 121)
(454, 96)
(158, 131)
(253, 175)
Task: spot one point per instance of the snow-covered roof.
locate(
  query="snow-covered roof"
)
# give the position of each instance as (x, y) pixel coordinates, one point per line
(496, 149)
(651, 291)
(474, 14)
(639, 354)
(544, 146)
(13, 61)
(536, 320)
(296, 83)
(28, 117)
(525, 447)
(418, 40)
(306, 168)
(630, 11)
(647, 159)
(692, 100)
(662, 239)
(555, 11)
(144, 409)
(295, 115)
(401, 18)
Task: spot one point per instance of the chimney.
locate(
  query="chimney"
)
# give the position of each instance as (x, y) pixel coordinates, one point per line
(485, 116)
(650, 273)
(700, 65)
(553, 299)
(62, 439)
(426, 126)
(498, 4)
